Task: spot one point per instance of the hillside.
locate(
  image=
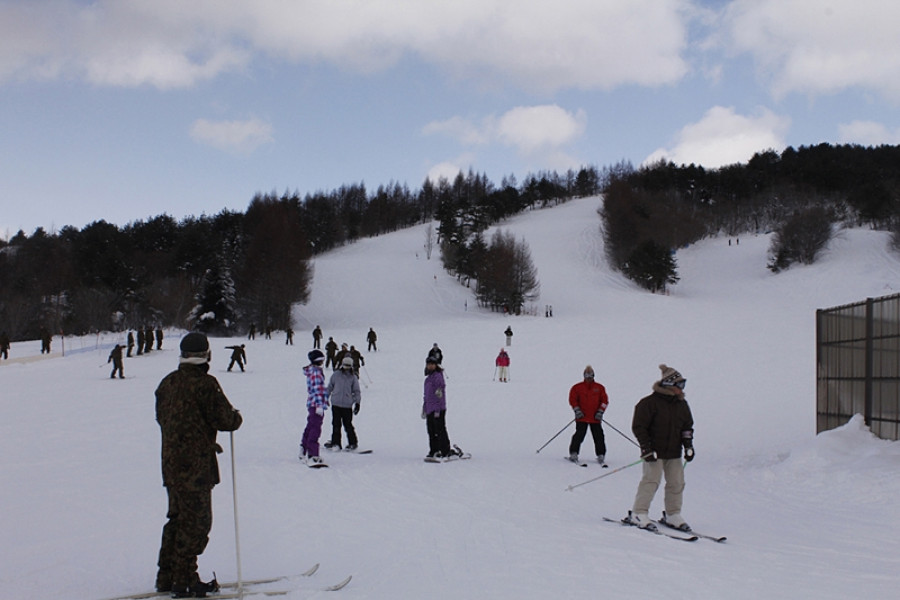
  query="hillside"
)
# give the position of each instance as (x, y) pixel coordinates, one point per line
(83, 502)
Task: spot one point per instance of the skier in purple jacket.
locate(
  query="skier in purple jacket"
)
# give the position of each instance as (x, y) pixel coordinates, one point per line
(434, 410)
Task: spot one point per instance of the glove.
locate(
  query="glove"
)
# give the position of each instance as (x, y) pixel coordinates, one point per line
(688, 453)
(424, 416)
(578, 413)
(356, 408)
(648, 454)
(598, 416)
(320, 411)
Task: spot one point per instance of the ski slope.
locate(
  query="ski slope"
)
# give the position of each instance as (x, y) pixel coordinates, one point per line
(805, 515)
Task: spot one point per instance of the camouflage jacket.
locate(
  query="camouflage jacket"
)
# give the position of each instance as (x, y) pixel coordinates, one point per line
(190, 409)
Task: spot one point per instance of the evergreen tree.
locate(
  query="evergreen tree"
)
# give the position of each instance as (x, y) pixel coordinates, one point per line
(651, 266)
(216, 307)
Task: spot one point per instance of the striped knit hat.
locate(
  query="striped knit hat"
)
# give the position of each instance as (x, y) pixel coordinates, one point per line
(669, 376)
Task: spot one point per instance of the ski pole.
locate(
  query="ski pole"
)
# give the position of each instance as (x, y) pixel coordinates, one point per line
(557, 435)
(605, 422)
(369, 377)
(237, 541)
(494, 378)
(572, 487)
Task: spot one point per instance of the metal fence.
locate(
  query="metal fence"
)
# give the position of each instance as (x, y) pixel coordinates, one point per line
(858, 365)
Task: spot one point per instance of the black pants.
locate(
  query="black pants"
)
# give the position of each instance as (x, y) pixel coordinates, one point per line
(184, 537)
(438, 439)
(581, 431)
(342, 417)
(239, 362)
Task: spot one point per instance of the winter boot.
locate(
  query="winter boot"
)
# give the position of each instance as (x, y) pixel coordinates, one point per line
(332, 445)
(675, 521)
(573, 457)
(197, 590)
(601, 458)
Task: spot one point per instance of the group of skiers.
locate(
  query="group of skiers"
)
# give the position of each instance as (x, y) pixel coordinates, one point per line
(191, 408)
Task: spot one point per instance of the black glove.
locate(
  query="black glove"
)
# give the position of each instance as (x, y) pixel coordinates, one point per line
(356, 408)
(689, 452)
(578, 413)
(598, 416)
(648, 454)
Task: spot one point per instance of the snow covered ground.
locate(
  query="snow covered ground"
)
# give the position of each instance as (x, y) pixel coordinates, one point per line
(82, 506)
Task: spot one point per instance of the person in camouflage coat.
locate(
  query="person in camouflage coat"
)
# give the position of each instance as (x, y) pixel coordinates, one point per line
(190, 409)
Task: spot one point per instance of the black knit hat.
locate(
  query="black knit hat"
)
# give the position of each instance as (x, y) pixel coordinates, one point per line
(316, 357)
(193, 344)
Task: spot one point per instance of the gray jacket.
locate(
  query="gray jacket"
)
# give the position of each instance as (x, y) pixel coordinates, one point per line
(343, 388)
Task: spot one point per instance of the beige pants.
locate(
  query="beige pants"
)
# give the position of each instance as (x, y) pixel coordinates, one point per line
(673, 469)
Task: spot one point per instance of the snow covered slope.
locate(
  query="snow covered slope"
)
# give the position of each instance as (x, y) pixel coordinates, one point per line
(805, 515)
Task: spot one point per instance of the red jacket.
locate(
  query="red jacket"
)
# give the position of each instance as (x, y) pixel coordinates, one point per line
(502, 360)
(588, 396)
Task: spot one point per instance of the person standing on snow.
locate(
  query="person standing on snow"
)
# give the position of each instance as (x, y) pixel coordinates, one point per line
(343, 392)
(434, 411)
(317, 338)
(508, 333)
(190, 409)
(115, 357)
(663, 425)
(502, 364)
(372, 337)
(330, 351)
(316, 404)
(589, 401)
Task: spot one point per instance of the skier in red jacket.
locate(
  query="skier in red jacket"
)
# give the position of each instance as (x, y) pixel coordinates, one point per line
(589, 401)
(502, 364)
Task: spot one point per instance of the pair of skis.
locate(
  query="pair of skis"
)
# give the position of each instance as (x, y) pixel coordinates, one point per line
(689, 536)
(251, 587)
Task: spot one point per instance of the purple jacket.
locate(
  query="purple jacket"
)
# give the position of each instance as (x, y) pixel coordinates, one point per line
(435, 393)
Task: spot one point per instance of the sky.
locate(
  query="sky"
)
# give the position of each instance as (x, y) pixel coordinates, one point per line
(123, 110)
(806, 515)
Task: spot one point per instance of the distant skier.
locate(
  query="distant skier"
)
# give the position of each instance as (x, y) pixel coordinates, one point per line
(316, 404)
(140, 341)
(371, 337)
(502, 364)
(317, 338)
(46, 339)
(159, 338)
(508, 333)
(589, 401)
(330, 350)
(251, 334)
(115, 357)
(148, 340)
(339, 357)
(357, 358)
(344, 395)
(663, 425)
(130, 344)
(4, 345)
(289, 339)
(238, 355)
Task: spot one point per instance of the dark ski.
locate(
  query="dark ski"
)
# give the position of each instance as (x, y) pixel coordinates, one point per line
(691, 538)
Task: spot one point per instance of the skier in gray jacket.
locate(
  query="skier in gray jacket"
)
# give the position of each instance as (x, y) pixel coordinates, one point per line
(343, 391)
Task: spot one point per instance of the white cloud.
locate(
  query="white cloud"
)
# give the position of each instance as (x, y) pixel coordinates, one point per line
(533, 128)
(816, 46)
(172, 43)
(723, 137)
(868, 133)
(529, 129)
(242, 137)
